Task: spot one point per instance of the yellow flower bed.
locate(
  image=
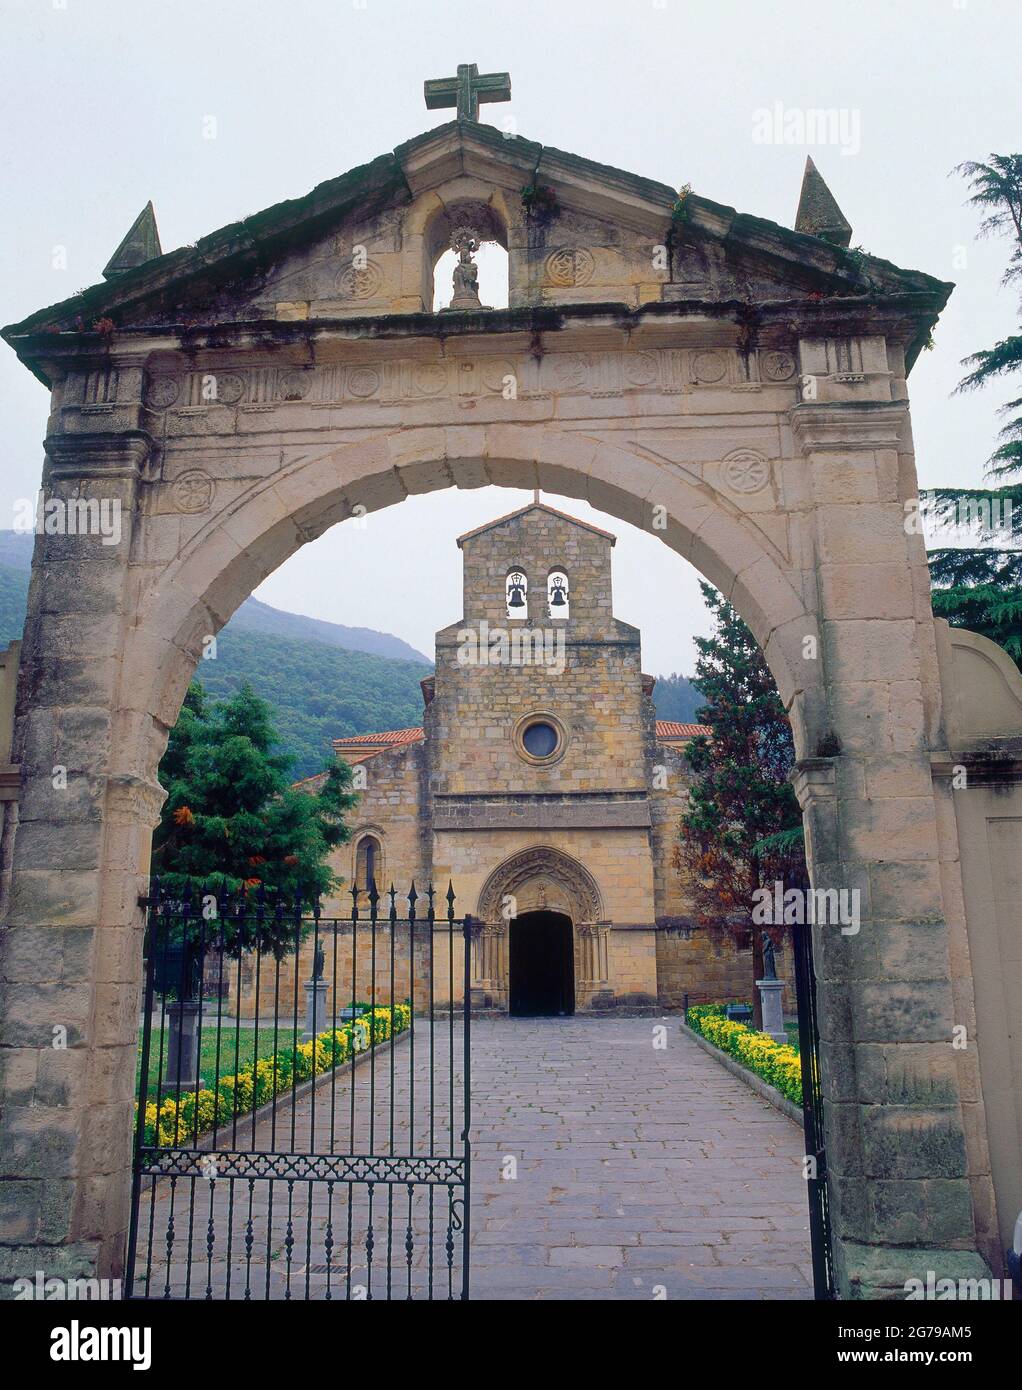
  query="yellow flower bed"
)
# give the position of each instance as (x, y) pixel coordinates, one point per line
(777, 1063)
(180, 1120)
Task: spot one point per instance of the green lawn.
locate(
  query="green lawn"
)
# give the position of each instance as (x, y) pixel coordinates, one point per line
(253, 1043)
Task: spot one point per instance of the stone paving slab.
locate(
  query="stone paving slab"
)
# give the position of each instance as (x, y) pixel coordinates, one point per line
(636, 1168)
(637, 1173)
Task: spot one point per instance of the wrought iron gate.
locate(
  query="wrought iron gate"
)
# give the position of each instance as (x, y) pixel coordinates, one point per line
(812, 1112)
(303, 1100)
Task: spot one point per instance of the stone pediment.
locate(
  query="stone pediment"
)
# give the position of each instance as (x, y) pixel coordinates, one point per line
(579, 235)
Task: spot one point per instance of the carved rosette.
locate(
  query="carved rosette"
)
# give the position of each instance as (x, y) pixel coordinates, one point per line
(709, 367)
(360, 281)
(162, 392)
(746, 471)
(193, 491)
(569, 267)
(777, 366)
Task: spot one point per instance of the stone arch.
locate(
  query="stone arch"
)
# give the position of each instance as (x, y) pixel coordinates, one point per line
(631, 394)
(538, 861)
(252, 533)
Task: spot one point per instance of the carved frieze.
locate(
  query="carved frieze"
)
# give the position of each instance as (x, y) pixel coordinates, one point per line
(597, 374)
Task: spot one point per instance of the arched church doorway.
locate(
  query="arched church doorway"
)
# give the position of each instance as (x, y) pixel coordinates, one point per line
(542, 966)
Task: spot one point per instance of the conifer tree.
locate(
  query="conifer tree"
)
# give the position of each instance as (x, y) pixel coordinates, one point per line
(231, 822)
(981, 588)
(743, 826)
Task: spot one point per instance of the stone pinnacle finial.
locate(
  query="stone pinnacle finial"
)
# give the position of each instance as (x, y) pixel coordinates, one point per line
(818, 212)
(141, 244)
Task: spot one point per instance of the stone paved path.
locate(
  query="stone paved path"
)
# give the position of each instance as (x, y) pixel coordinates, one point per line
(633, 1169)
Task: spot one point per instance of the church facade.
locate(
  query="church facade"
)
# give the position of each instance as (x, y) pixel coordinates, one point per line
(542, 785)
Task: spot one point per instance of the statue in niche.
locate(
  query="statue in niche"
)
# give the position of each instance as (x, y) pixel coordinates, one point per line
(466, 272)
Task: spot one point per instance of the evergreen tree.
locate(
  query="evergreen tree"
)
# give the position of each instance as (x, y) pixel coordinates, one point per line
(743, 826)
(982, 588)
(231, 823)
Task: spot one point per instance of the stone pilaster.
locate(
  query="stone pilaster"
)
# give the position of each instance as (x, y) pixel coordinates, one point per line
(896, 1151)
(71, 963)
(489, 972)
(593, 982)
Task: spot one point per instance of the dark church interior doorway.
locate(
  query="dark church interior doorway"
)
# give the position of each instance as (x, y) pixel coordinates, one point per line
(542, 965)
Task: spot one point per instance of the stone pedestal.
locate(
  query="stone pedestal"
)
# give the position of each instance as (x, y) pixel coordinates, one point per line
(181, 1064)
(315, 1009)
(771, 993)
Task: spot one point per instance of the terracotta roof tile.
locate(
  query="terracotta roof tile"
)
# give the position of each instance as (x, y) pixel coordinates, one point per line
(389, 738)
(670, 728)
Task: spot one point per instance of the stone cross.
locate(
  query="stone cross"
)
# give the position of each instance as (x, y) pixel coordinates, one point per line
(467, 90)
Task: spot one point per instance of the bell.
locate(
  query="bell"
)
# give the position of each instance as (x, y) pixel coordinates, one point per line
(557, 599)
(517, 587)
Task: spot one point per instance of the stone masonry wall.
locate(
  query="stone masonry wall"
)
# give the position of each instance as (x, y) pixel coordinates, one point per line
(391, 809)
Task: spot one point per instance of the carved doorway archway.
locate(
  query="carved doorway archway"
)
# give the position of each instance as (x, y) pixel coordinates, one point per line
(540, 880)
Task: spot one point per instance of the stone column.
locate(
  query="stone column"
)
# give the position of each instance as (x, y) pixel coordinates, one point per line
(896, 1151)
(72, 951)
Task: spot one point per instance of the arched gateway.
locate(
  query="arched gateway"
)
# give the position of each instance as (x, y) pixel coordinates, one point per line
(735, 388)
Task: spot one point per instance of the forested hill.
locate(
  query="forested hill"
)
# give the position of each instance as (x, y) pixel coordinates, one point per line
(676, 697)
(318, 692)
(252, 616)
(323, 680)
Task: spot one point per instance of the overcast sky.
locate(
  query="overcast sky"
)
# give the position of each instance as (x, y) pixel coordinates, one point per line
(104, 103)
